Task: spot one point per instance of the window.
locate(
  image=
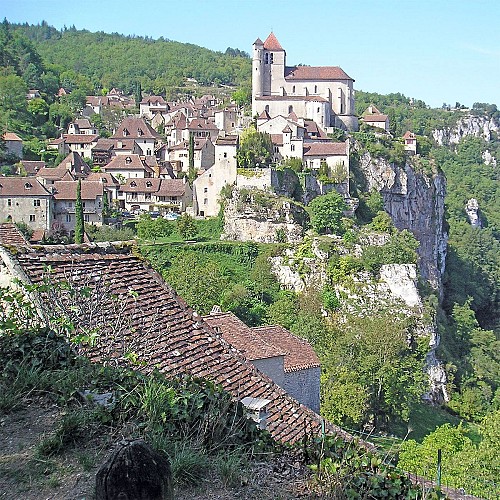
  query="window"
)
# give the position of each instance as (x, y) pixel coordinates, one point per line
(205, 201)
(315, 89)
(225, 155)
(271, 58)
(266, 58)
(293, 89)
(205, 190)
(87, 218)
(133, 184)
(276, 149)
(83, 204)
(68, 218)
(148, 184)
(32, 218)
(292, 147)
(290, 109)
(267, 108)
(128, 160)
(9, 202)
(147, 196)
(36, 203)
(70, 204)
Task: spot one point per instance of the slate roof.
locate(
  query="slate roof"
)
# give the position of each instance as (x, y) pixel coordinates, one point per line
(299, 353)
(165, 334)
(325, 149)
(316, 73)
(10, 235)
(21, 186)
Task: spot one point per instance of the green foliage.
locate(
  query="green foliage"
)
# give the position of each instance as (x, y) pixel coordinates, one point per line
(294, 164)
(26, 231)
(186, 227)
(242, 96)
(108, 233)
(326, 213)
(152, 229)
(79, 224)
(256, 149)
(382, 222)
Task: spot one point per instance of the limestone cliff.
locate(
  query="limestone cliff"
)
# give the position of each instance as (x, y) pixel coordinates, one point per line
(467, 126)
(415, 201)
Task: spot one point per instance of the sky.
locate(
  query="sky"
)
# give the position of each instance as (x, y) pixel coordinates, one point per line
(439, 51)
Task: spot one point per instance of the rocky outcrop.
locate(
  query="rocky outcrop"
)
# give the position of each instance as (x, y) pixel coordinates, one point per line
(415, 201)
(472, 211)
(402, 282)
(468, 126)
(489, 159)
(263, 217)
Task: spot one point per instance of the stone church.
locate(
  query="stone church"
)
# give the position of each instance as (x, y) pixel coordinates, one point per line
(324, 94)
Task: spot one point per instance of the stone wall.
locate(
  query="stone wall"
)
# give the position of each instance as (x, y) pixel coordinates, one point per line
(303, 385)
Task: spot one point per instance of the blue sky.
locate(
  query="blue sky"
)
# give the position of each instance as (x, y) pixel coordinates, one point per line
(435, 50)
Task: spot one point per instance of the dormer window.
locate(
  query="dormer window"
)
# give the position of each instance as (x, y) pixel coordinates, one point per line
(133, 184)
(28, 186)
(128, 160)
(148, 184)
(140, 132)
(125, 132)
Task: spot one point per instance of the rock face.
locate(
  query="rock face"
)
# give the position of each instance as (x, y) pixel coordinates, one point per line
(472, 211)
(263, 217)
(489, 159)
(415, 201)
(402, 282)
(468, 126)
(134, 471)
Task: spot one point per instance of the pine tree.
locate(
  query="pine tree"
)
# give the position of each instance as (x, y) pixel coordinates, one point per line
(191, 171)
(79, 229)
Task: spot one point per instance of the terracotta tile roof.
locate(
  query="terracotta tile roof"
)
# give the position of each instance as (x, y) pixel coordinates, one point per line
(325, 149)
(272, 43)
(251, 345)
(10, 235)
(264, 115)
(80, 138)
(201, 124)
(74, 163)
(105, 177)
(287, 129)
(141, 186)
(172, 187)
(56, 142)
(97, 100)
(316, 73)
(292, 116)
(126, 162)
(104, 145)
(371, 110)
(10, 136)
(156, 100)
(313, 129)
(136, 128)
(375, 118)
(83, 123)
(277, 139)
(166, 334)
(52, 173)
(409, 135)
(299, 353)
(66, 190)
(37, 236)
(124, 144)
(228, 140)
(32, 167)
(22, 186)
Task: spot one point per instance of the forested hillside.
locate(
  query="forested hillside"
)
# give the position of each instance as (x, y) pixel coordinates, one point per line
(113, 60)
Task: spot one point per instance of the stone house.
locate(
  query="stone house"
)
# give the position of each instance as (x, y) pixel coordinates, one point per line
(159, 327)
(82, 126)
(13, 144)
(128, 167)
(150, 106)
(110, 184)
(323, 94)
(80, 143)
(373, 117)
(227, 120)
(30, 167)
(208, 185)
(25, 199)
(288, 360)
(410, 142)
(146, 138)
(64, 193)
(204, 154)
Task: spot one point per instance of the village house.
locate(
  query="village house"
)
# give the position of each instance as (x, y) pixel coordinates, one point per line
(82, 126)
(13, 144)
(70, 169)
(64, 193)
(76, 143)
(97, 103)
(322, 94)
(208, 185)
(166, 335)
(110, 183)
(204, 154)
(103, 151)
(150, 106)
(410, 142)
(153, 194)
(374, 118)
(30, 167)
(128, 167)
(141, 132)
(25, 199)
(228, 120)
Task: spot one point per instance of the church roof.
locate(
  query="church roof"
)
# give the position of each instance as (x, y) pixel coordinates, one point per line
(258, 42)
(316, 73)
(272, 43)
(264, 116)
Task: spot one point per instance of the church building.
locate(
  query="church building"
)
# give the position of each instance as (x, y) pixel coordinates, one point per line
(324, 94)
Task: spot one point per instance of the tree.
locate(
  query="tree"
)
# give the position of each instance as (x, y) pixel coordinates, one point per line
(152, 229)
(256, 149)
(186, 227)
(326, 213)
(242, 96)
(105, 204)
(79, 224)
(191, 172)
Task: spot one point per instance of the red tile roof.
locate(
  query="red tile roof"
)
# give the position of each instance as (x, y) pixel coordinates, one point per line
(141, 186)
(136, 128)
(201, 124)
(53, 173)
(277, 139)
(32, 167)
(66, 190)
(127, 162)
(164, 333)
(251, 345)
(409, 135)
(299, 353)
(172, 187)
(10, 136)
(374, 118)
(106, 178)
(316, 73)
(10, 235)
(325, 149)
(272, 43)
(80, 138)
(22, 186)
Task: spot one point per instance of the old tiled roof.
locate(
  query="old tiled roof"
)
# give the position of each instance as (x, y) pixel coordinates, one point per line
(258, 42)
(374, 118)
(264, 115)
(104, 177)
(83, 123)
(228, 140)
(172, 187)
(409, 135)
(272, 43)
(66, 190)
(251, 345)
(162, 331)
(277, 139)
(97, 100)
(56, 142)
(104, 145)
(201, 124)
(155, 100)
(80, 138)
(52, 173)
(126, 162)
(32, 167)
(10, 235)
(371, 110)
(314, 130)
(10, 136)
(316, 73)
(21, 186)
(74, 162)
(299, 353)
(141, 186)
(135, 128)
(325, 149)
